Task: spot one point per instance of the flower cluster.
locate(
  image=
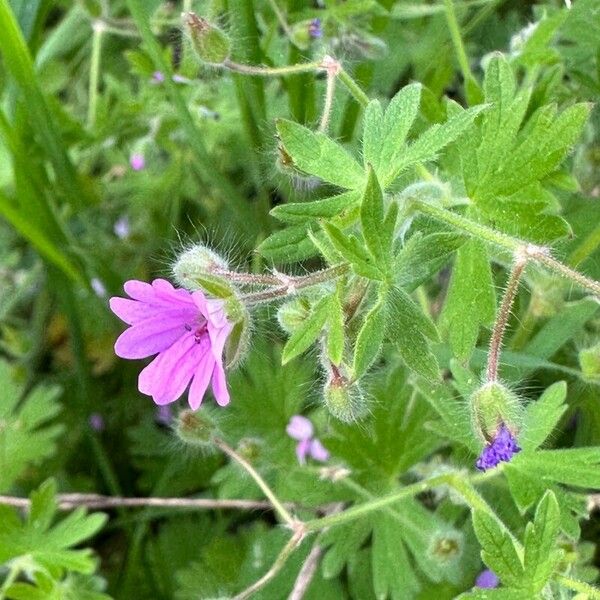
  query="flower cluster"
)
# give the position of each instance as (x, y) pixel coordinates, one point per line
(186, 330)
(501, 449)
(301, 429)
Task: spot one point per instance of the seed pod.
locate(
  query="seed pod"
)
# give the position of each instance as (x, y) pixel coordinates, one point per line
(210, 44)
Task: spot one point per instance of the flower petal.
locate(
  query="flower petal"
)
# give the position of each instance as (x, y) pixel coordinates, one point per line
(219, 385)
(134, 311)
(168, 375)
(201, 379)
(149, 337)
(299, 428)
(318, 451)
(302, 449)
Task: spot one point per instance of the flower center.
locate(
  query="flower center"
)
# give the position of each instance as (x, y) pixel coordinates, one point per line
(199, 332)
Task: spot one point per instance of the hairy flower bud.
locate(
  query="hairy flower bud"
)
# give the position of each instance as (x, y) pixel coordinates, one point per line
(589, 361)
(496, 415)
(344, 400)
(211, 44)
(196, 428)
(195, 269)
(446, 547)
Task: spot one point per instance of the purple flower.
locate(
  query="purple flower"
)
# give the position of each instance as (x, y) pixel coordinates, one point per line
(301, 429)
(157, 77)
(137, 161)
(487, 579)
(121, 227)
(186, 330)
(96, 422)
(314, 29)
(500, 449)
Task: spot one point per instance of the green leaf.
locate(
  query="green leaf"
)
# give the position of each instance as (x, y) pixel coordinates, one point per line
(343, 542)
(300, 212)
(471, 301)
(392, 578)
(385, 136)
(49, 547)
(427, 146)
(288, 245)
(498, 550)
(408, 329)
(316, 154)
(308, 332)
(369, 339)
(371, 219)
(543, 415)
(27, 434)
(335, 330)
(353, 251)
(541, 555)
(424, 255)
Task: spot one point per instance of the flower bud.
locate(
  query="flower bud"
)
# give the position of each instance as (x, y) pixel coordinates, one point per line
(250, 449)
(195, 269)
(211, 44)
(589, 361)
(446, 547)
(492, 405)
(344, 400)
(304, 32)
(196, 428)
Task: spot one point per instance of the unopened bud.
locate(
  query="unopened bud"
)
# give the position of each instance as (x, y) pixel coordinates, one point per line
(446, 547)
(589, 361)
(196, 428)
(250, 449)
(492, 406)
(196, 269)
(211, 45)
(344, 400)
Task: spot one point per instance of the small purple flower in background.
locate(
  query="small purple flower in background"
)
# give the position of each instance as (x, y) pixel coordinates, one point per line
(501, 449)
(157, 77)
(137, 161)
(180, 78)
(301, 429)
(314, 29)
(185, 329)
(96, 422)
(164, 414)
(121, 227)
(487, 579)
(98, 287)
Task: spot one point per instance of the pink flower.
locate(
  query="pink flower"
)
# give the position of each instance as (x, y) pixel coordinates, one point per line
(137, 161)
(186, 330)
(301, 429)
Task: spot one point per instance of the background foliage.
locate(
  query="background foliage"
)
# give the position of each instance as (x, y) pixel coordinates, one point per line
(480, 108)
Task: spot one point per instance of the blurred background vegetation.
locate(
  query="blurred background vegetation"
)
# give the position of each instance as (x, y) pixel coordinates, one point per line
(117, 150)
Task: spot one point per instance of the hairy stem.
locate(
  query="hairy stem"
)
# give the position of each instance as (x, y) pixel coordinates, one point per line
(262, 484)
(499, 329)
(328, 104)
(289, 284)
(310, 67)
(279, 563)
(457, 41)
(538, 254)
(353, 88)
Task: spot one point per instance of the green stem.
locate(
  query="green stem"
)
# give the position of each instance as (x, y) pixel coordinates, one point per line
(585, 247)
(360, 510)
(230, 65)
(538, 254)
(262, 484)
(459, 46)
(98, 29)
(13, 573)
(579, 586)
(353, 88)
(281, 20)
